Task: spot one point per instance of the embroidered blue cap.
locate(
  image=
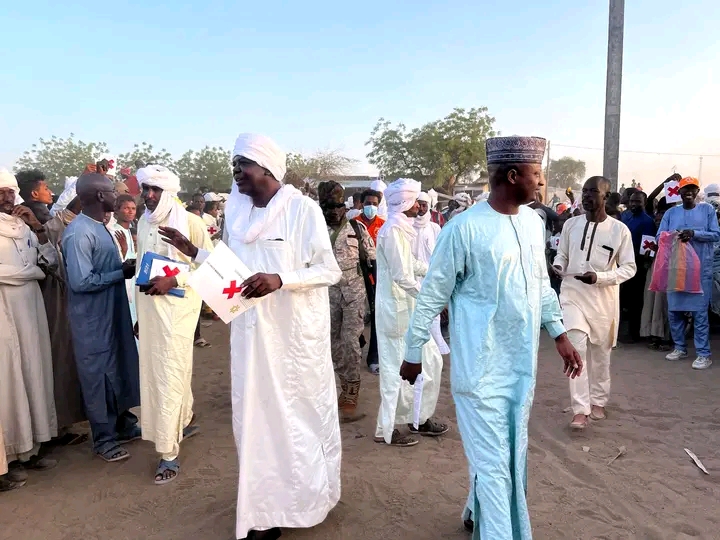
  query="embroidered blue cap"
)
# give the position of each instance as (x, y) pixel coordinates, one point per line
(515, 149)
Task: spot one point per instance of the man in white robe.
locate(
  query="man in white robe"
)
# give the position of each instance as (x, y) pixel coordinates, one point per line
(397, 287)
(27, 404)
(595, 255)
(423, 247)
(166, 323)
(284, 401)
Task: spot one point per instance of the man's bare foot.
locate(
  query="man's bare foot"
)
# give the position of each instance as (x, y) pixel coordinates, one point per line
(597, 413)
(579, 422)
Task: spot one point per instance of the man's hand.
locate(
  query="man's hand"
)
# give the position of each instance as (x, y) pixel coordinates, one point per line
(160, 285)
(409, 372)
(122, 242)
(571, 358)
(673, 178)
(260, 285)
(177, 240)
(556, 270)
(24, 213)
(128, 268)
(590, 278)
(136, 331)
(686, 235)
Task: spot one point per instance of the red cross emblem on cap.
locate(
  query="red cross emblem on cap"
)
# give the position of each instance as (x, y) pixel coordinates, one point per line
(170, 272)
(232, 290)
(673, 191)
(649, 245)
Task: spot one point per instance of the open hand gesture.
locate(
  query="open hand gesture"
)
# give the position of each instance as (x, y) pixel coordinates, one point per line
(176, 239)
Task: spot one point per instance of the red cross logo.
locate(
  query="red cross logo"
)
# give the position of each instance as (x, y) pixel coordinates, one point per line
(232, 290)
(649, 245)
(673, 191)
(170, 272)
(212, 230)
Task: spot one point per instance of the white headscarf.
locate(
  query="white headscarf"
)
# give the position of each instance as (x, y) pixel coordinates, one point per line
(10, 226)
(421, 222)
(238, 209)
(433, 198)
(169, 207)
(379, 185)
(66, 197)
(712, 188)
(400, 196)
(464, 200)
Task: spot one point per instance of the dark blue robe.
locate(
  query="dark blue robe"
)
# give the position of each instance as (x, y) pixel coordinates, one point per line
(99, 313)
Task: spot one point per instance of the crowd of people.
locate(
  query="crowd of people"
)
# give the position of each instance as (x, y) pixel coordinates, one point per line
(88, 341)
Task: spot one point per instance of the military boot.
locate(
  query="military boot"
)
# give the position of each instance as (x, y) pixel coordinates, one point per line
(348, 406)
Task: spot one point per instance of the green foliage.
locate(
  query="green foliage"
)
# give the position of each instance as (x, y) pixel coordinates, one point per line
(206, 170)
(320, 166)
(147, 154)
(566, 172)
(438, 153)
(58, 158)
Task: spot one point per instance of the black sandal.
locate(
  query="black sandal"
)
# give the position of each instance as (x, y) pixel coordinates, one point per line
(429, 429)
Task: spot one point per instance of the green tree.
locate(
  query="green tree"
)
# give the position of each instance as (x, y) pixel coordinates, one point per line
(59, 158)
(320, 166)
(208, 169)
(438, 153)
(146, 153)
(566, 172)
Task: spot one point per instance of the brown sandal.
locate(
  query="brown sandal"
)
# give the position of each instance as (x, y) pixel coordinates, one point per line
(429, 429)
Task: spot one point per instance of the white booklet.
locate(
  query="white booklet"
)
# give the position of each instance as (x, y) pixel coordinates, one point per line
(218, 282)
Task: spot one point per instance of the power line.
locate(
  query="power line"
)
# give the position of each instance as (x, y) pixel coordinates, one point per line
(638, 151)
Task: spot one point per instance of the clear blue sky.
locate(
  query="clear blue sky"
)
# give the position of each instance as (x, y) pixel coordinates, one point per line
(318, 74)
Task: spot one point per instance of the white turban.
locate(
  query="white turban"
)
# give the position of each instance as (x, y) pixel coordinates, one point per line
(433, 197)
(169, 211)
(378, 185)
(11, 226)
(8, 180)
(463, 199)
(212, 197)
(263, 151)
(402, 194)
(159, 177)
(712, 188)
(66, 197)
(424, 197)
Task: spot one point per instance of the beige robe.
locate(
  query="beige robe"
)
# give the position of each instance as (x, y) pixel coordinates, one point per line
(3, 457)
(27, 405)
(167, 326)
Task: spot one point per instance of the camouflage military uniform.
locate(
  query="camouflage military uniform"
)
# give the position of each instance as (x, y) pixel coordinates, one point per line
(347, 301)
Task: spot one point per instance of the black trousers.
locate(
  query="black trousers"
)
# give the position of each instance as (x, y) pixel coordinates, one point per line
(632, 298)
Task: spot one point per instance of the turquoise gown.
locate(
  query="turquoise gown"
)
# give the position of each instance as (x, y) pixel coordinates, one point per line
(491, 269)
(703, 220)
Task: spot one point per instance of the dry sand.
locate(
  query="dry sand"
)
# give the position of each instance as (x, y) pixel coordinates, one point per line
(652, 492)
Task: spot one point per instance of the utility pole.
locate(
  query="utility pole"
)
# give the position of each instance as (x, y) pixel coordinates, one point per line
(547, 175)
(613, 91)
(700, 171)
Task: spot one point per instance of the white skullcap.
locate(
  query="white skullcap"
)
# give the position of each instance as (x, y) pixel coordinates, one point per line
(263, 151)
(212, 197)
(712, 188)
(402, 194)
(378, 185)
(424, 197)
(159, 177)
(463, 199)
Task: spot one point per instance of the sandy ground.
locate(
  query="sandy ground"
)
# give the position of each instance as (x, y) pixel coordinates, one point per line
(652, 492)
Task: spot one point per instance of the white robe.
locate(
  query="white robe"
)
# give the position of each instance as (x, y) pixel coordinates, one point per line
(604, 248)
(27, 404)
(397, 288)
(167, 328)
(284, 402)
(131, 254)
(423, 247)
